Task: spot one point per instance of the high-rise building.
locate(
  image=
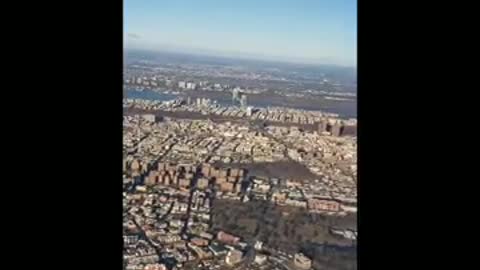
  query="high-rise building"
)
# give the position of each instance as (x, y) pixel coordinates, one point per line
(181, 84)
(322, 126)
(166, 180)
(191, 86)
(205, 101)
(243, 101)
(337, 129)
(350, 130)
(238, 187)
(258, 245)
(249, 111)
(233, 257)
(235, 95)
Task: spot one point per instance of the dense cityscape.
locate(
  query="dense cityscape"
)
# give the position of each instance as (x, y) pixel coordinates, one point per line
(260, 84)
(217, 182)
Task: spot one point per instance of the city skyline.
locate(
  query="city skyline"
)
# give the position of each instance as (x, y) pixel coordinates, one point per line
(315, 32)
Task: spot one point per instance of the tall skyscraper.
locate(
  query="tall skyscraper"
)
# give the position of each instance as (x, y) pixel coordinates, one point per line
(235, 93)
(243, 101)
(249, 111)
(337, 129)
(322, 126)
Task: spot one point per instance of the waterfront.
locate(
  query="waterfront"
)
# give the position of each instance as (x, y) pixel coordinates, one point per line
(345, 109)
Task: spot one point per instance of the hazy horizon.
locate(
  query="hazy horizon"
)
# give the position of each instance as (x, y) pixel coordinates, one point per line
(297, 31)
(232, 56)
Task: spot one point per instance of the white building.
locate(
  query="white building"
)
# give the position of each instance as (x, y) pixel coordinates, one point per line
(243, 100)
(260, 259)
(249, 111)
(150, 118)
(258, 245)
(302, 262)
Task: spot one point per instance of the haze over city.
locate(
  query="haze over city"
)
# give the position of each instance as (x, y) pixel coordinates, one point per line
(239, 135)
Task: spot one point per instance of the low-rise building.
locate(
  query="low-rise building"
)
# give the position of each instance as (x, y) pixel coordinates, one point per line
(227, 238)
(302, 262)
(315, 205)
(233, 257)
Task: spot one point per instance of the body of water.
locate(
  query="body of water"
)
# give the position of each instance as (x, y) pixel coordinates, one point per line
(343, 109)
(149, 95)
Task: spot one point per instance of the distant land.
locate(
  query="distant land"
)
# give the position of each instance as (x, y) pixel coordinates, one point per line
(343, 73)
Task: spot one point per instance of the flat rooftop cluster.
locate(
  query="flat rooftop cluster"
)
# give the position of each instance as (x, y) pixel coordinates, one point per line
(174, 169)
(167, 223)
(194, 141)
(209, 107)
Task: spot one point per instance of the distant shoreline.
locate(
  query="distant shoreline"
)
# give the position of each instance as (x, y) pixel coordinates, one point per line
(345, 109)
(228, 56)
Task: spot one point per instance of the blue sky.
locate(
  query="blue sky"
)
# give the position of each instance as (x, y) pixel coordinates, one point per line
(316, 31)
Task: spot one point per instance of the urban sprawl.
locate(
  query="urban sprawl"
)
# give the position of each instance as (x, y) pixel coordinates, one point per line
(175, 167)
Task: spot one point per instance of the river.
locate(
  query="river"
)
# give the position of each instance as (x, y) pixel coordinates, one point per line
(345, 109)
